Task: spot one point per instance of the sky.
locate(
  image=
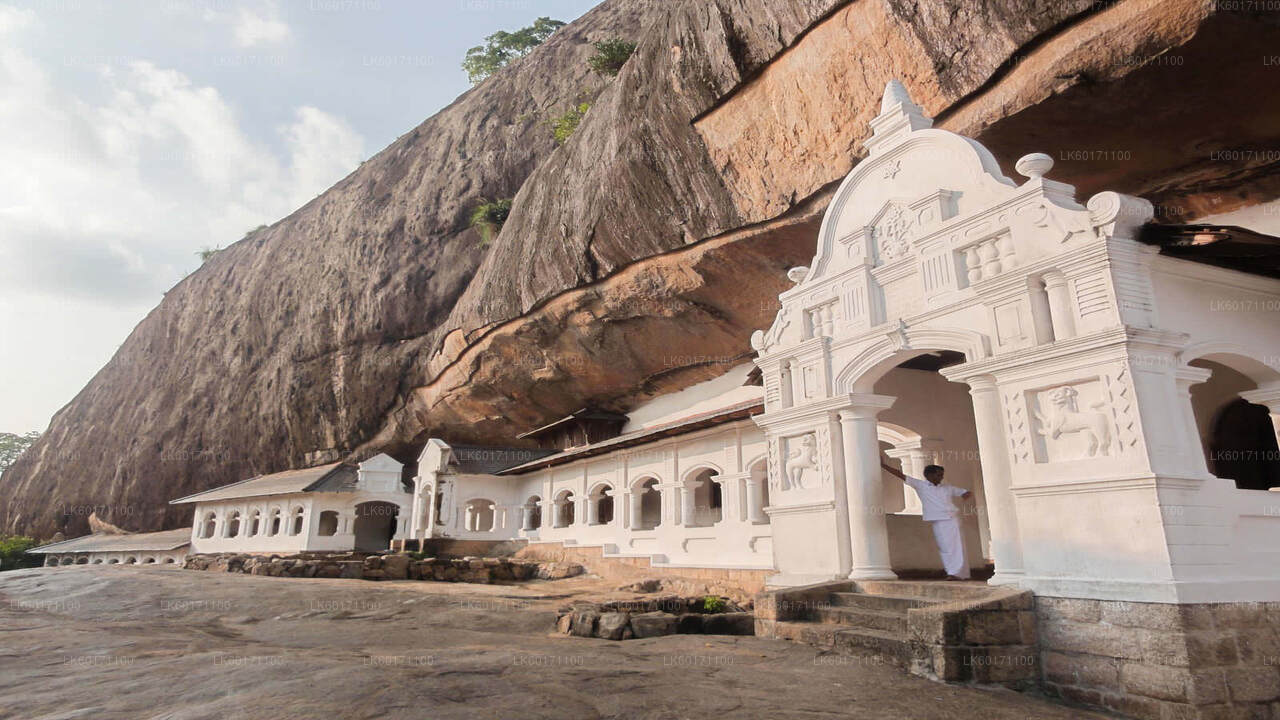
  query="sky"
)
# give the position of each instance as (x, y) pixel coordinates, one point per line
(135, 133)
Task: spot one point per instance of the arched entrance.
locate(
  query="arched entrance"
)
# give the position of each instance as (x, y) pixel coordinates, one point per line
(1238, 436)
(375, 525)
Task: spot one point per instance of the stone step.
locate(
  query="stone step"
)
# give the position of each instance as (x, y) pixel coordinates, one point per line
(887, 620)
(884, 646)
(879, 602)
(936, 590)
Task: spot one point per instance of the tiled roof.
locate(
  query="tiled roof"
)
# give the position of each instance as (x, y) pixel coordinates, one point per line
(699, 421)
(332, 478)
(473, 460)
(163, 540)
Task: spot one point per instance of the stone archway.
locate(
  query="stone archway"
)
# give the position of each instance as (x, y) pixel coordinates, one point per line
(375, 525)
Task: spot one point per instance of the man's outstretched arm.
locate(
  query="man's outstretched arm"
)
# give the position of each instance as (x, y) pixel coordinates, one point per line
(894, 472)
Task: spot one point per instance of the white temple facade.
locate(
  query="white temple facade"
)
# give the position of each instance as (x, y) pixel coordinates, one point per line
(329, 508)
(1082, 382)
(1066, 372)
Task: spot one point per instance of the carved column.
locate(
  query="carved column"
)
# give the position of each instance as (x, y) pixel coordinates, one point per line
(997, 479)
(797, 381)
(593, 510)
(868, 532)
(1063, 317)
(526, 518)
(785, 388)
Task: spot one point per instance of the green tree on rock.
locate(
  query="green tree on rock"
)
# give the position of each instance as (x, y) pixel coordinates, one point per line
(13, 549)
(610, 56)
(502, 47)
(12, 445)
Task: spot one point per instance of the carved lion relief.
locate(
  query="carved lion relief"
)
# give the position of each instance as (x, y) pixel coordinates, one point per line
(1059, 416)
(802, 456)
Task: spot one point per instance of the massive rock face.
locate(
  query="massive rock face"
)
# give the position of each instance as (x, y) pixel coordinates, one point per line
(639, 256)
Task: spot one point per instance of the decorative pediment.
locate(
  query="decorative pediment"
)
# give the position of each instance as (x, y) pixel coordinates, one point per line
(926, 219)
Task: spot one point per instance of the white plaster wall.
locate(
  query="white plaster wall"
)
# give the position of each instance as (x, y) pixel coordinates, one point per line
(309, 539)
(730, 450)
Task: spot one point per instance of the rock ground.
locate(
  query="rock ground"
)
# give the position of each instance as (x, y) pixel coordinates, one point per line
(155, 642)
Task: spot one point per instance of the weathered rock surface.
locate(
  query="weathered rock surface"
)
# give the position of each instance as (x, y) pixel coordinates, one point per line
(152, 641)
(371, 318)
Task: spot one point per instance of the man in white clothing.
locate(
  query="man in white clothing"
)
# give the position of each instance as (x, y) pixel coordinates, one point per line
(940, 512)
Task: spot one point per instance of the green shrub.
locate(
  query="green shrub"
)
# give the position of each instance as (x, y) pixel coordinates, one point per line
(13, 552)
(502, 47)
(610, 56)
(712, 604)
(563, 126)
(488, 218)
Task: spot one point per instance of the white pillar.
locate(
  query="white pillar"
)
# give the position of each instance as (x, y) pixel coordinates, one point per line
(687, 508)
(415, 514)
(432, 510)
(634, 498)
(797, 381)
(593, 510)
(755, 495)
(1064, 323)
(997, 479)
(868, 532)
(526, 518)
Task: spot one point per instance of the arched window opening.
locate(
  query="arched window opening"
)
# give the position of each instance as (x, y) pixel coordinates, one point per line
(168, 561)
(601, 506)
(646, 508)
(233, 525)
(328, 526)
(210, 524)
(564, 509)
(273, 528)
(131, 560)
(149, 561)
(82, 560)
(296, 524)
(1238, 437)
(255, 523)
(708, 499)
(532, 514)
(479, 515)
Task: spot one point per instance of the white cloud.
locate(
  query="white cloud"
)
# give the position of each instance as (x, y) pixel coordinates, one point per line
(113, 200)
(104, 202)
(252, 28)
(13, 19)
